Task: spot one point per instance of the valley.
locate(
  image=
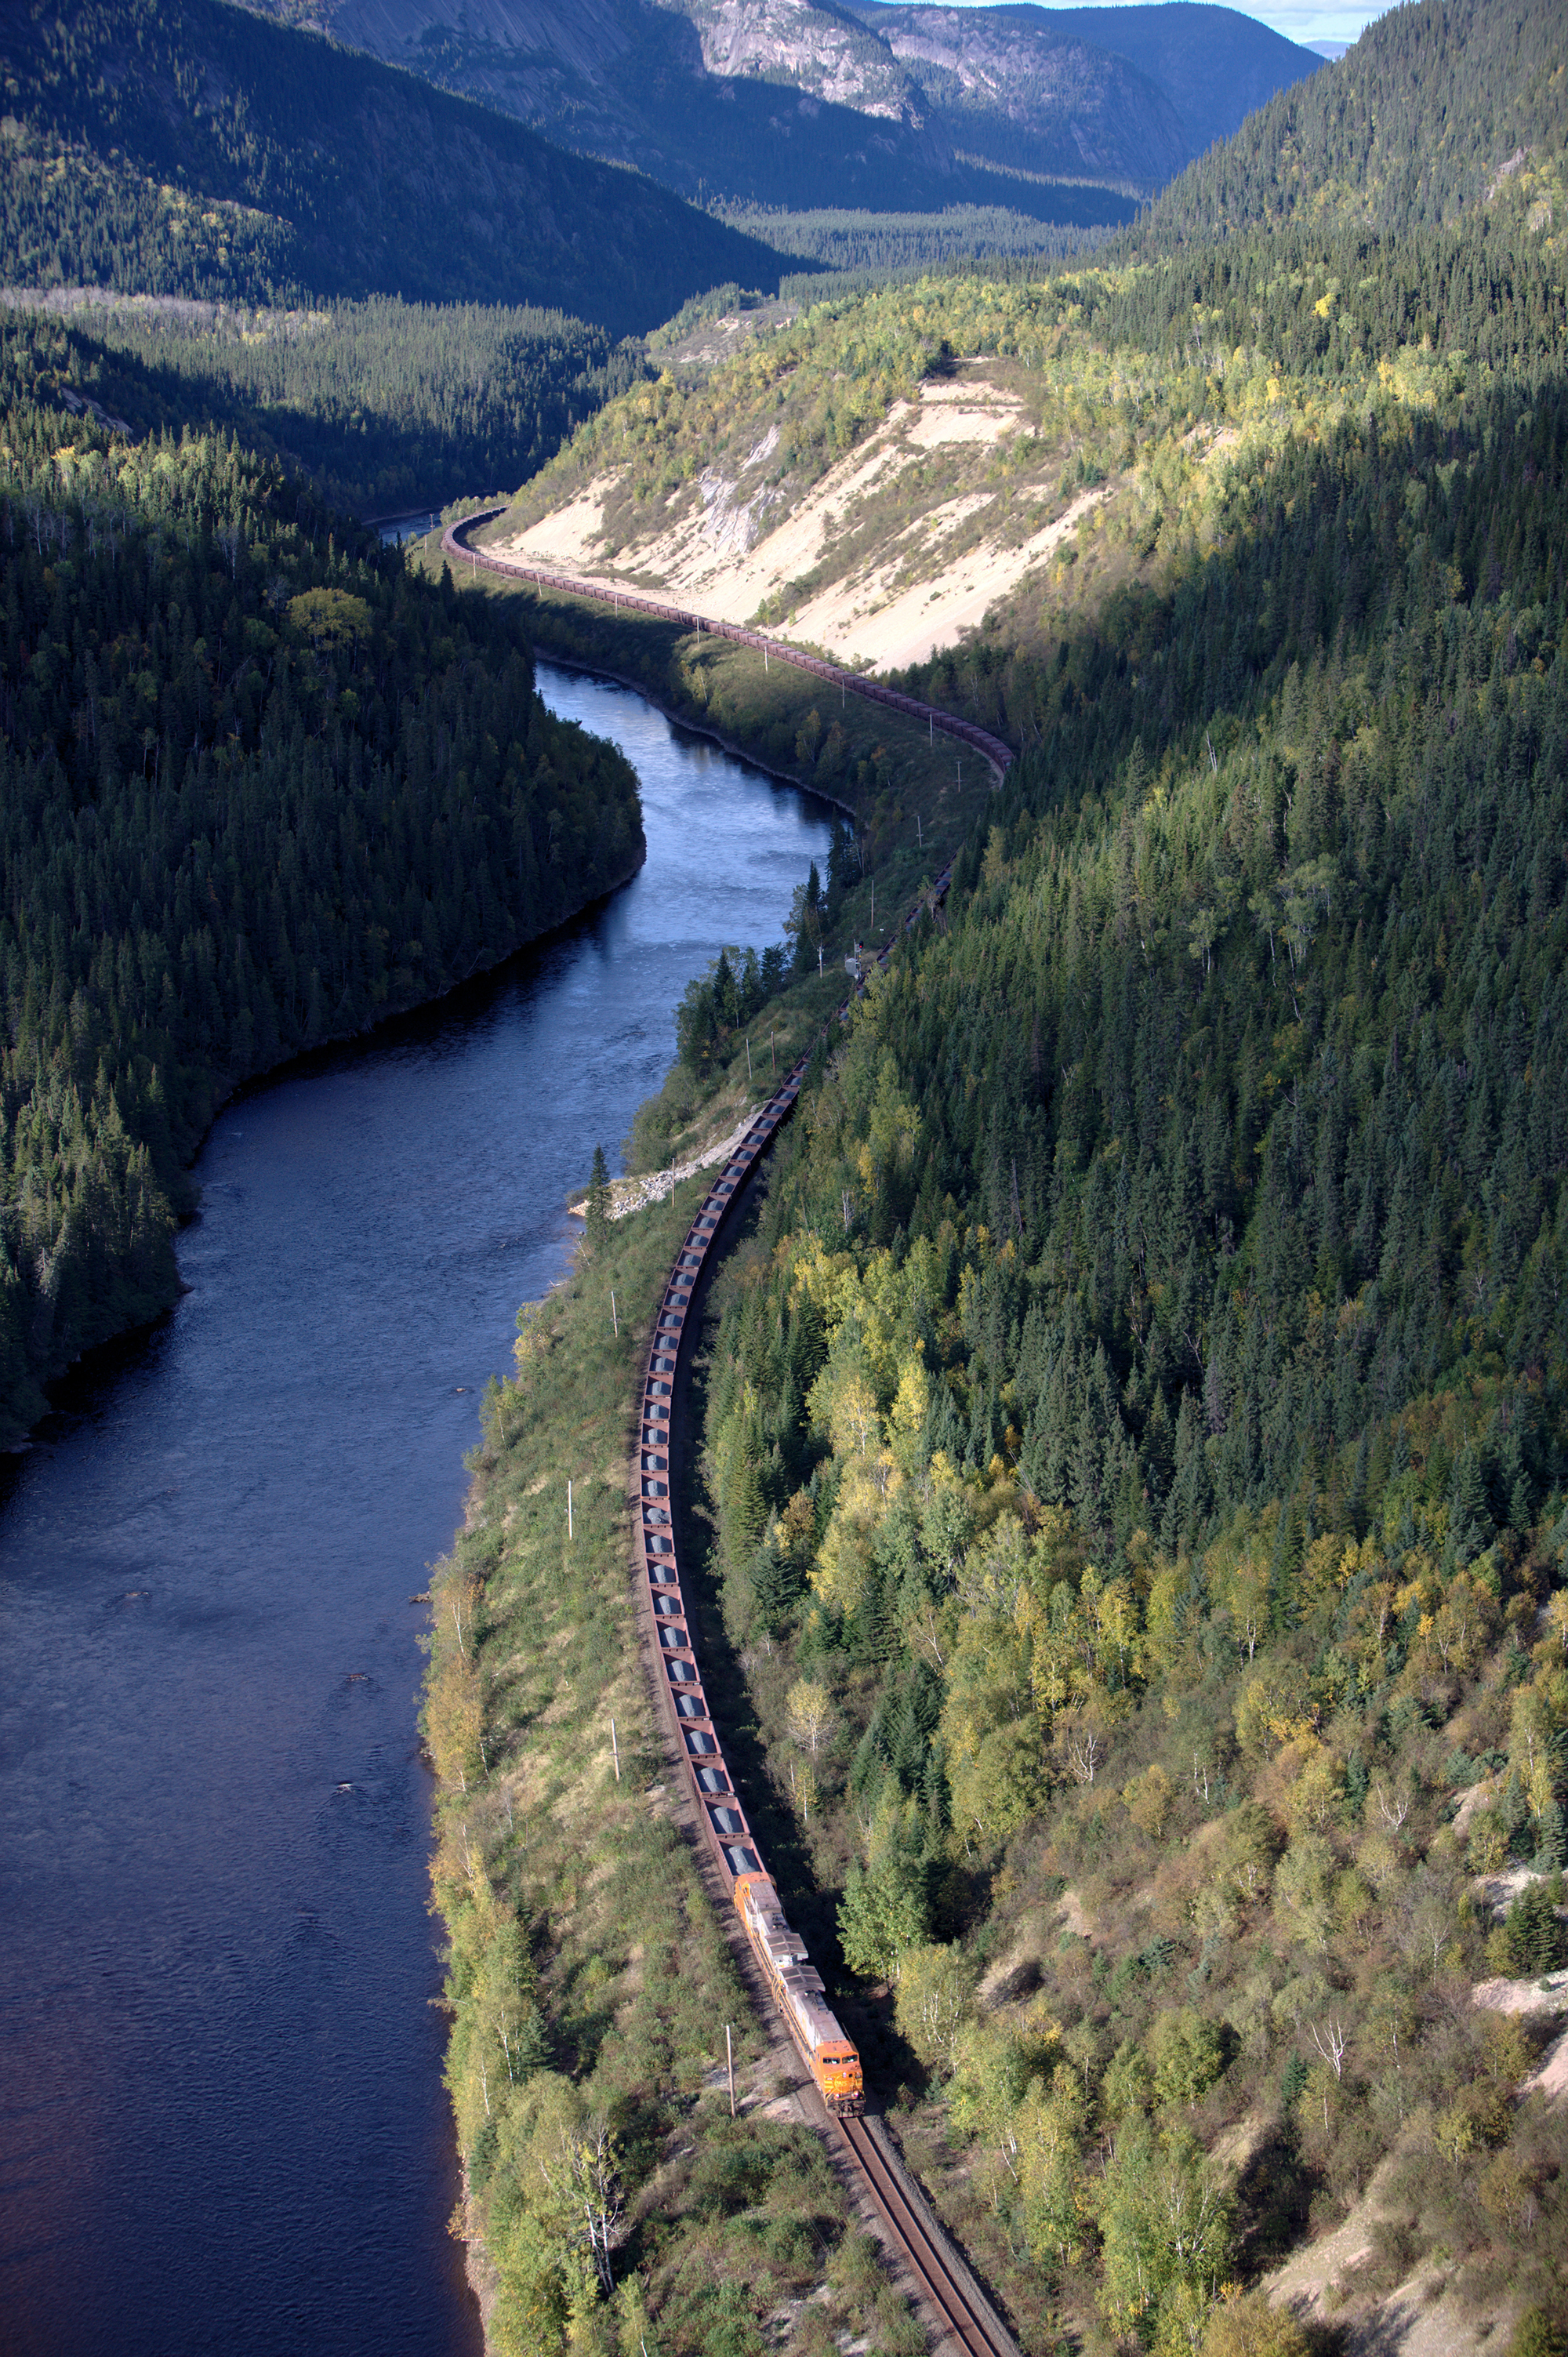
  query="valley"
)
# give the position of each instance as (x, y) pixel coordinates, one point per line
(1117, 1456)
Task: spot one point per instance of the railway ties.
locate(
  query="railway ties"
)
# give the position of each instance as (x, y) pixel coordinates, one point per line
(968, 2318)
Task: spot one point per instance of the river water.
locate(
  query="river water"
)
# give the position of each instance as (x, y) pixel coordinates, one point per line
(222, 2121)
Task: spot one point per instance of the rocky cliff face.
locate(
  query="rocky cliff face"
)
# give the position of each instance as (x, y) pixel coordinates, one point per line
(817, 48)
(1004, 85)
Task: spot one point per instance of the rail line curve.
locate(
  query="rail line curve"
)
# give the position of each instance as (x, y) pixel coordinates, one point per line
(965, 732)
(945, 2284)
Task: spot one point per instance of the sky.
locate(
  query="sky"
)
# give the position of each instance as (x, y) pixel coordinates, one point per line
(1306, 21)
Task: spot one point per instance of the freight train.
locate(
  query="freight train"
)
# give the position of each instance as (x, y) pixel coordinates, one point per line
(782, 1954)
(797, 1985)
(966, 732)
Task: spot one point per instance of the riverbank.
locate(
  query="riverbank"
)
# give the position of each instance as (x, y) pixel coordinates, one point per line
(911, 793)
(198, 1569)
(16, 1435)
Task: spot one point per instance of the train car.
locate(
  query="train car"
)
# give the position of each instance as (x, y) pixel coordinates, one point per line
(797, 1991)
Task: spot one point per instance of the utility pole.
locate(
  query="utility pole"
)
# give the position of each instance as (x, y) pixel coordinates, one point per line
(729, 2058)
(614, 1747)
(615, 1321)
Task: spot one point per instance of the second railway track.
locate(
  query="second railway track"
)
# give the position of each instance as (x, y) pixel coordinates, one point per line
(965, 732)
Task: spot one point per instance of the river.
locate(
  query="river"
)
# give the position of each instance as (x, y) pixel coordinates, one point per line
(222, 2121)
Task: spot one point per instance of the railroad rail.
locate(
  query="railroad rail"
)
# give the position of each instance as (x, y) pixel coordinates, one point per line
(965, 732)
(946, 2285)
(949, 2291)
(964, 2312)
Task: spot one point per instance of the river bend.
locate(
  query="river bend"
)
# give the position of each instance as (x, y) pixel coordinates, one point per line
(221, 2122)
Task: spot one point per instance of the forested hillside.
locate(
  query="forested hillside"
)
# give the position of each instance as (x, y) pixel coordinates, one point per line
(1139, 1450)
(186, 148)
(1138, 1440)
(258, 788)
(1414, 125)
(384, 406)
(1137, 1436)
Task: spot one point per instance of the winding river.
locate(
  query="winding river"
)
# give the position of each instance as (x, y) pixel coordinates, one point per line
(222, 2120)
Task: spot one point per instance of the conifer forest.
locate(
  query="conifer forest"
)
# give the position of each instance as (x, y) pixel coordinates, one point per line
(1128, 1487)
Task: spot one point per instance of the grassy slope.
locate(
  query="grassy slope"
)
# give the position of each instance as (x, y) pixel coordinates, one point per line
(766, 429)
(1170, 410)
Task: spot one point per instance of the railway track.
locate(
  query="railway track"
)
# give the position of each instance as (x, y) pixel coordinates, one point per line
(954, 2302)
(961, 2316)
(964, 732)
(965, 2313)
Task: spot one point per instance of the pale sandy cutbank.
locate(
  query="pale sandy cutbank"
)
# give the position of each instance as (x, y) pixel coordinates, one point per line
(917, 588)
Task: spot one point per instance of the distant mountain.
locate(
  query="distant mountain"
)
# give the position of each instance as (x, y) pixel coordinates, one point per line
(773, 102)
(186, 147)
(1211, 66)
(1433, 109)
(806, 103)
(1004, 85)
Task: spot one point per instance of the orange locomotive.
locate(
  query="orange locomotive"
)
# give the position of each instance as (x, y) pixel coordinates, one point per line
(797, 1988)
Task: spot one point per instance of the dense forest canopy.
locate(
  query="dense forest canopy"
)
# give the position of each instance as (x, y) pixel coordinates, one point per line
(1136, 1441)
(384, 406)
(1412, 128)
(258, 788)
(1139, 1444)
(188, 147)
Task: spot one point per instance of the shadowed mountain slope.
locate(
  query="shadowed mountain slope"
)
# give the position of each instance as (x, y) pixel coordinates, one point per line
(1213, 64)
(192, 148)
(1412, 126)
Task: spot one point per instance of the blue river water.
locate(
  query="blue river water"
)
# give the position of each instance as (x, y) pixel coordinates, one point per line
(222, 2125)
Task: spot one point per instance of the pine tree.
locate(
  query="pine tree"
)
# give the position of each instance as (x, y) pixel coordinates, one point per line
(598, 1198)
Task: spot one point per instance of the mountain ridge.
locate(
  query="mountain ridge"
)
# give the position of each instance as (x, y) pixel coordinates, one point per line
(698, 91)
